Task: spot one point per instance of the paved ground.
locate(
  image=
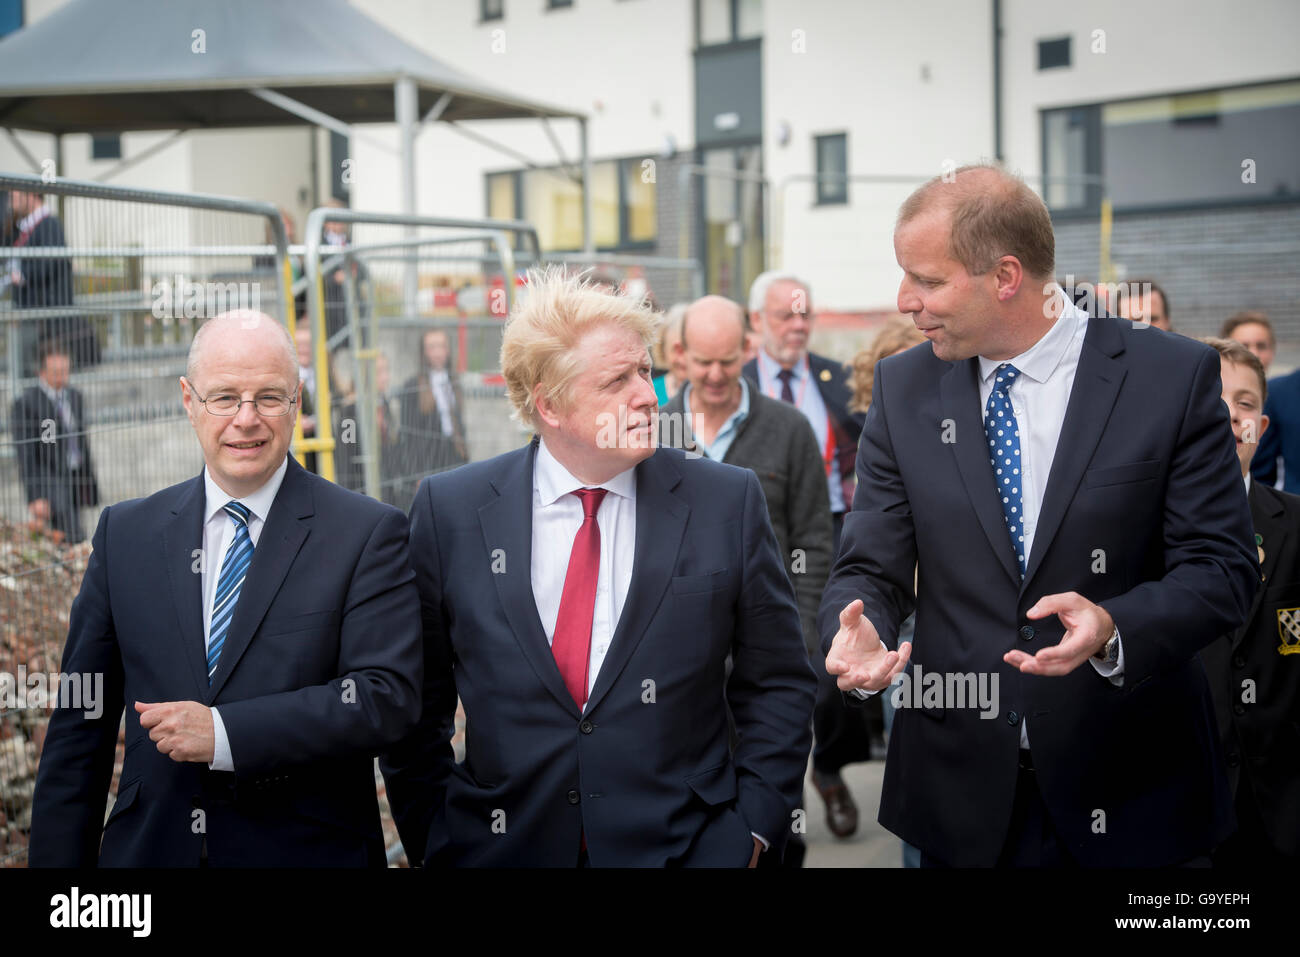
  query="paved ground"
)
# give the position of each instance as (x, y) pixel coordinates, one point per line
(872, 845)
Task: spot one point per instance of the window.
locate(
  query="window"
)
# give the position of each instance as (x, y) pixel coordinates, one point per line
(727, 21)
(623, 214)
(832, 158)
(558, 4)
(1209, 147)
(106, 146)
(491, 10)
(1053, 53)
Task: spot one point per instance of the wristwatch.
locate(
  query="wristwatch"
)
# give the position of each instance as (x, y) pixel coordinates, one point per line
(1109, 652)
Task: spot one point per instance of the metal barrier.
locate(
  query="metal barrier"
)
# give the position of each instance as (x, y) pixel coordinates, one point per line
(381, 285)
(119, 279)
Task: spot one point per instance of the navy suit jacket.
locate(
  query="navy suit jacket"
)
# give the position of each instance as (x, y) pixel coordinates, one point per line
(832, 380)
(320, 671)
(646, 772)
(1282, 437)
(1144, 513)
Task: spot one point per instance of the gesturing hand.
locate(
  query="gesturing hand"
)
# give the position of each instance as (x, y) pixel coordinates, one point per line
(1088, 628)
(858, 657)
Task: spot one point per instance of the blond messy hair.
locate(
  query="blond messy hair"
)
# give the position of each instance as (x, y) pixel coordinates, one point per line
(541, 337)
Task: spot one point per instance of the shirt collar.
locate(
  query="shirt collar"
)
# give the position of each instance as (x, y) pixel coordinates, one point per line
(259, 503)
(50, 391)
(1040, 360)
(769, 368)
(742, 410)
(553, 481)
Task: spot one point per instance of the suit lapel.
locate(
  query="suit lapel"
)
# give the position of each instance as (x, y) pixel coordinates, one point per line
(282, 536)
(1096, 387)
(1265, 513)
(660, 523)
(507, 523)
(959, 400)
(182, 536)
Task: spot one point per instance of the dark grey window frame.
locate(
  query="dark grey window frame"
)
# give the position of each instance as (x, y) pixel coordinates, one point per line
(1090, 212)
(1047, 44)
(830, 194)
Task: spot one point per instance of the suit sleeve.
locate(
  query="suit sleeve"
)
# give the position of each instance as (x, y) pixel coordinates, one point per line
(375, 699)
(1211, 573)
(809, 524)
(417, 768)
(877, 559)
(27, 432)
(771, 687)
(77, 762)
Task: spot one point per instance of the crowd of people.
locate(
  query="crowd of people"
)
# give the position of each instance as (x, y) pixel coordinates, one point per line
(690, 584)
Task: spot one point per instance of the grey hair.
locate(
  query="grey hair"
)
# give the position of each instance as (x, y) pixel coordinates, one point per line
(765, 281)
(247, 319)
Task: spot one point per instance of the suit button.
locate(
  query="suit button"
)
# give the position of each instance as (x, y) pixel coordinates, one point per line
(1027, 632)
(1234, 759)
(573, 797)
(1013, 718)
(1238, 661)
(586, 727)
(1238, 708)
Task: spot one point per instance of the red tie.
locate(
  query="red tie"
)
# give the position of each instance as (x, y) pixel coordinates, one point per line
(572, 642)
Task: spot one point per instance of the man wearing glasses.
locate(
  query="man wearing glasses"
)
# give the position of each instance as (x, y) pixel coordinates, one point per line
(259, 626)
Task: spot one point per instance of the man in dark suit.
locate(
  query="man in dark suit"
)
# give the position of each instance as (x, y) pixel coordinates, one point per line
(1065, 485)
(780, 310)
(49, 422)
(582, 596)
(259, 625)
(1254, 672)
(44, 282)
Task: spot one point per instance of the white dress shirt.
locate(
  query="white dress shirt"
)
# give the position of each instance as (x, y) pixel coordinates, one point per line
(1039, 397)
(557, 516)
(808, 400)
(440, 385)
(218, 534)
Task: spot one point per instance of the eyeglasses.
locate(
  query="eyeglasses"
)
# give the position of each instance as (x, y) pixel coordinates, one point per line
(227, 404)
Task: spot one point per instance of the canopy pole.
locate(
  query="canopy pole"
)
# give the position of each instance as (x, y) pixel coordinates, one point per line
(588, 240)
(406, 104)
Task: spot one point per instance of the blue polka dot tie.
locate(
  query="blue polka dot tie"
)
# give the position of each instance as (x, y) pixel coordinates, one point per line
(1004, 455)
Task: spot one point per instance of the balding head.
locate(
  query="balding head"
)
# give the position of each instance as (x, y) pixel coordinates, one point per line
(713, 348)
(991, 214)
(247, 326)
(713, 312)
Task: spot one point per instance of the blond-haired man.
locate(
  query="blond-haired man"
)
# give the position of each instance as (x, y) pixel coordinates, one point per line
(582, 595)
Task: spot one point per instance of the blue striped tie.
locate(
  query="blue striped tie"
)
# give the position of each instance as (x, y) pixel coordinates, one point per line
(233, 570)
(1004, 455)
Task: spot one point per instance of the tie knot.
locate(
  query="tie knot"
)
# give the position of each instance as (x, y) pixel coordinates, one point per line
(238, 512)
(785, 375)
(1004, 375)
(591, 499)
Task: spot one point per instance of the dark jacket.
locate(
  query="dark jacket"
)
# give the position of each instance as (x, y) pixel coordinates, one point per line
(43, 449)
(1144, 513)
(1255, 675)
(321, 670)
(776, 442)
(832, 380)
